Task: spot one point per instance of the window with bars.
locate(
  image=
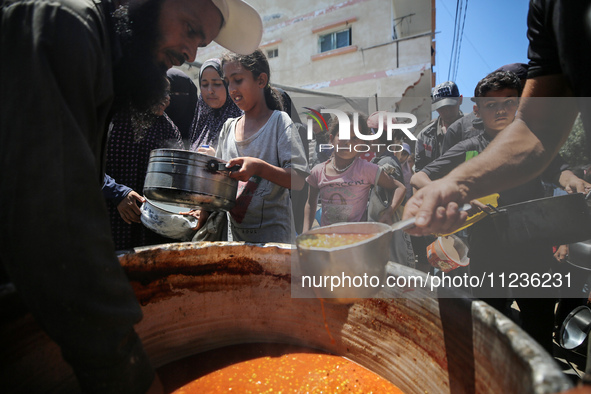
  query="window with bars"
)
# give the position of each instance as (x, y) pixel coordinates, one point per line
(334, 40)
(271, 53)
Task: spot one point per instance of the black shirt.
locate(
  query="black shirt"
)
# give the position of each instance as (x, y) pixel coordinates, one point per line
(467, 126)
(559, 32)
(467, 149)
(56, 90)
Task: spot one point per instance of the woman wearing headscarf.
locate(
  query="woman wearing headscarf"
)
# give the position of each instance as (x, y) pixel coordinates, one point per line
(183, 102)
(214, 106)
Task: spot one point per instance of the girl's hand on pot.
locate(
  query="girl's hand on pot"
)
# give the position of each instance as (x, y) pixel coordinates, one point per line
(249, 167)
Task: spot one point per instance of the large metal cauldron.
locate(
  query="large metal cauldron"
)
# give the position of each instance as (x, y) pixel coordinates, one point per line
(189, 179)
(555, 220)
(198, 297)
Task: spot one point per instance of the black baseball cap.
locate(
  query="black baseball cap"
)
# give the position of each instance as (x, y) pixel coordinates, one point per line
(446, 93)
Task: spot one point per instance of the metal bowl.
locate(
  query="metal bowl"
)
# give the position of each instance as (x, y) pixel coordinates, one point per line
(165, 220)
(575, 329)
(365, 258)
(187, 179)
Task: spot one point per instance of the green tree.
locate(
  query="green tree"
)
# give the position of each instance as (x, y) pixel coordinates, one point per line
(574, 149)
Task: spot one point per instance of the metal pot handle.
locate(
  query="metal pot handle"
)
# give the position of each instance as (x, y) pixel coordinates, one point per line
(215, 166)
(494, 210)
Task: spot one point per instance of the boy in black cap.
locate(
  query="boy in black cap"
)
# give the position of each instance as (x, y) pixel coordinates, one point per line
(446, 100)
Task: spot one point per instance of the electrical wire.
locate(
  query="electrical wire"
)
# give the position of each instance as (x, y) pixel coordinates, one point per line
(450, 67)
(476, 50)
(459, 24)
(461, 36)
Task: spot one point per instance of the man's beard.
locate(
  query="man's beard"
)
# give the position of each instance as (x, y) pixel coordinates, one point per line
(139, 81)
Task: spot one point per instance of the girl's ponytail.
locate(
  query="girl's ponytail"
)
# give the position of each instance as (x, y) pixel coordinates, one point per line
(273, 98)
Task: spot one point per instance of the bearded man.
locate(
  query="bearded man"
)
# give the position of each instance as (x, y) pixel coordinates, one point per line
(64, 64)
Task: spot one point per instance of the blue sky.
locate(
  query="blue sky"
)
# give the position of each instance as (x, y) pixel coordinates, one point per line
(494, 35)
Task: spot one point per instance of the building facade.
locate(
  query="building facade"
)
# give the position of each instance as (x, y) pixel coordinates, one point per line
(377, 50)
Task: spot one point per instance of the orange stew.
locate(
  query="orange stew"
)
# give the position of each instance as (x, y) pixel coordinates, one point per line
(332, 240)
(291, 373)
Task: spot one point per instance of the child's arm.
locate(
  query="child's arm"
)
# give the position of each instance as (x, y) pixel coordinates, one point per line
(310, 208)
(388, 182)
(285, 177)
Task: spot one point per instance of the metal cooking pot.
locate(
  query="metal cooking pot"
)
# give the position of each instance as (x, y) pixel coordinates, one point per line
(367, 257)
(201, 296)
(575, 329)
(579, 255)
(554, 220)
(190, 179)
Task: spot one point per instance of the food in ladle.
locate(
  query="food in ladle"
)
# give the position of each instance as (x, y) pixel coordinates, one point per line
(332, 240)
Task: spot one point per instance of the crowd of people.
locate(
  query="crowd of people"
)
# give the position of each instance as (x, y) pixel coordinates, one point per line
(88, 138)
(496, 98)
(241, 119)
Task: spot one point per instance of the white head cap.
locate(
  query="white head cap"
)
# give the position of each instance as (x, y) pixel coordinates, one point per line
(242, 29)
